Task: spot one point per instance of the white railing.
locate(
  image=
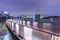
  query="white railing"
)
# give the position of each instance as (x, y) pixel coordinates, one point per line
(28, 32)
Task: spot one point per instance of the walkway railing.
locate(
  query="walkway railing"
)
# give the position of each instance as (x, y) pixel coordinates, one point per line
(27, 30)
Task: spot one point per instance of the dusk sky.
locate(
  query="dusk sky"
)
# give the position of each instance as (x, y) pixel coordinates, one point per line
(31, 7)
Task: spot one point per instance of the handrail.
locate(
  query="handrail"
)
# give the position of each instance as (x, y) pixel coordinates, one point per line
(19, 36)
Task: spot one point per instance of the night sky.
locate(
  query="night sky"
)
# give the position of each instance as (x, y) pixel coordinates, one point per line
(31, 7)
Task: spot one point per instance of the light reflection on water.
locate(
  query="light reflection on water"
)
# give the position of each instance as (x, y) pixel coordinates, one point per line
(47, 26)
(0, 27)
(6, 36)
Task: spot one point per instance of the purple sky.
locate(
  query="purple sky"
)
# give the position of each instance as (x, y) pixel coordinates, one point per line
(31, 7)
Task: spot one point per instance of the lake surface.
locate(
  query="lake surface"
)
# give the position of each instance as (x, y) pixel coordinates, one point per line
(4, 33)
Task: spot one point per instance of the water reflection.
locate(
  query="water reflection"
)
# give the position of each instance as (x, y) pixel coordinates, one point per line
(0, 27)
(7, 36)
(47, 26)
(4, 33)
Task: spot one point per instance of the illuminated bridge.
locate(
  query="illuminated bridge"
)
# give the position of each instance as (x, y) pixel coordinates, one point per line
(33, 30)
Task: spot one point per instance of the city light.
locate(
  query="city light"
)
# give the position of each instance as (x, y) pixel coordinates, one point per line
(5, 12)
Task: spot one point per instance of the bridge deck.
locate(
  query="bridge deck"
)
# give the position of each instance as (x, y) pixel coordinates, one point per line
(36, 31)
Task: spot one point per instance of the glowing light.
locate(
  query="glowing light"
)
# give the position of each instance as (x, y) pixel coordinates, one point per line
(6, 12)
(35, 24)
(28, 23)
(23, 22)
(20, 22)
(12, 26)
(17, 28)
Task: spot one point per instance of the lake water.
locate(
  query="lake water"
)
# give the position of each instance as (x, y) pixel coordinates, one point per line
(4, 33)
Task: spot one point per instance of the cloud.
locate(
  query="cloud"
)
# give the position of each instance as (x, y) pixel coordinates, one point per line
(44, 7)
